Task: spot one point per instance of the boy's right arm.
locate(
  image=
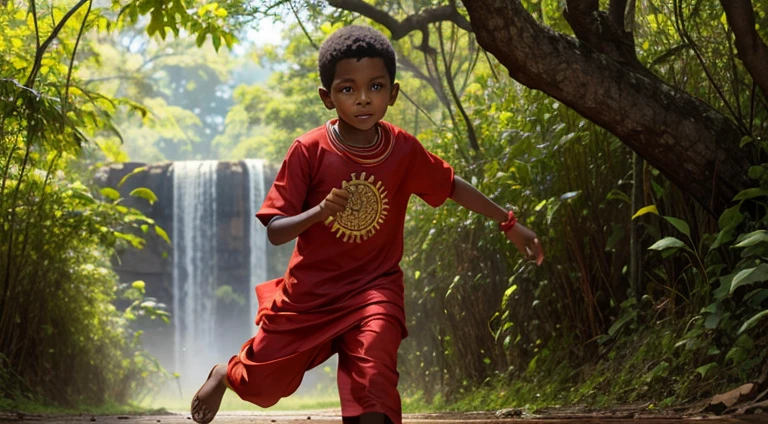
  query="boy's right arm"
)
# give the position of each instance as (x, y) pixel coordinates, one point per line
(284, 229)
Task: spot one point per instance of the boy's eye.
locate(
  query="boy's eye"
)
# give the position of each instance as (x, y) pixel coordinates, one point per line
(377, 86)
(346, 89)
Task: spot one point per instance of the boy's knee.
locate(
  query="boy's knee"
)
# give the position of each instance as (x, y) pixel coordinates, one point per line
(260, 396)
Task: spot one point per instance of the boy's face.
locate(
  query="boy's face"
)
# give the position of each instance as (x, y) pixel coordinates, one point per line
(360, 93)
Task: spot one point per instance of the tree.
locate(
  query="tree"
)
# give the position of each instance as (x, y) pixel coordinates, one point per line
(598, 74)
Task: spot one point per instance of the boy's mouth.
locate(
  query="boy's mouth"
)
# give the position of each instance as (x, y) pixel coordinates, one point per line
(364, 116)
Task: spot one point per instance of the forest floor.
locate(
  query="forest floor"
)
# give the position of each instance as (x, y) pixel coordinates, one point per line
(739, 406)
(627, 414)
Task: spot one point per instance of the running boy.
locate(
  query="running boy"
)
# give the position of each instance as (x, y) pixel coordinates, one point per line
(343, 190)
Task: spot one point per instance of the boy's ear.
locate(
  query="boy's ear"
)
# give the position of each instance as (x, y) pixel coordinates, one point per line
(325, 96)
(393, 93)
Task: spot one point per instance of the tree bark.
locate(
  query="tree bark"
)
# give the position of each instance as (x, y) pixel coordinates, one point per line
(692, 144)
(753, 51)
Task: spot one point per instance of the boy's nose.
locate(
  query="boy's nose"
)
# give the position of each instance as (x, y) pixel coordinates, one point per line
(363, 98)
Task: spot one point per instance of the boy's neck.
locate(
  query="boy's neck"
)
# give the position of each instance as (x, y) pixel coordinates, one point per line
(352, 136)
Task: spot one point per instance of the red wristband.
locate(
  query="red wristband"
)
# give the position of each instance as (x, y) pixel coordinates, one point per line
(509, 223)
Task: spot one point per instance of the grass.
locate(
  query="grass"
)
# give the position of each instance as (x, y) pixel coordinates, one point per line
(232, 402)
(33, 407)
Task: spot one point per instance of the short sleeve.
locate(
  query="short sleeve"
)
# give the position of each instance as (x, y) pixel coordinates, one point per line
(430, 178)
(287, 195)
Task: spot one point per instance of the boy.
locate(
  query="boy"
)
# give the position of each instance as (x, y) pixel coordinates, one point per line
(342, 191)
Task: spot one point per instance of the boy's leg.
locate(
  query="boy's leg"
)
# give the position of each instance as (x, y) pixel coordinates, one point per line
(207, 400)
(260, 374)
(367, 375)
(257, 375)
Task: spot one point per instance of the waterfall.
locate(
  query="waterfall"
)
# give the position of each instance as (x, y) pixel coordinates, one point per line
(194, 268)
(258, 234)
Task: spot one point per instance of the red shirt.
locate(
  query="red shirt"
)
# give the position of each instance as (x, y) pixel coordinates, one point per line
(349, 266)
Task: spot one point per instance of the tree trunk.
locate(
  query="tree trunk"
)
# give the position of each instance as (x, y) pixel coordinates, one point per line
(692, 144)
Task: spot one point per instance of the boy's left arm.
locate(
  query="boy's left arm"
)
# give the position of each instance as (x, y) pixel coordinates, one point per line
(523, 238)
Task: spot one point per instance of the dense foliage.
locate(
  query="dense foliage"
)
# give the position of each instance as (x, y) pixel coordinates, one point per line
(62, 337)
(691, 328)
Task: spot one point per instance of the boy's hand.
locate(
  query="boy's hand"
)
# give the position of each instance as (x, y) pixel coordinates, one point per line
(526, 242)
(334, 203)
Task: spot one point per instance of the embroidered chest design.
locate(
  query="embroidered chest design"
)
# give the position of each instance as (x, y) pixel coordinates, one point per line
(365, 211)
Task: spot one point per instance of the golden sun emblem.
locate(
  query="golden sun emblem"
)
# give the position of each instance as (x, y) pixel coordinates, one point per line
(365, 211)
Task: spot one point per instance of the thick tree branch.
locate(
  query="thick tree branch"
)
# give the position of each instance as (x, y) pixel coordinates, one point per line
(415, 22)
(604, 32)
(691, 143)
(752, 50)
(617, 10)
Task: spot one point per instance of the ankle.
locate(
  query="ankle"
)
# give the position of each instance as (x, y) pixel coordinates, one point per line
(221, 375)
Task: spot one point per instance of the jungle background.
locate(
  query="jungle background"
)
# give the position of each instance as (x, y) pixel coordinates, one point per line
(630, 135)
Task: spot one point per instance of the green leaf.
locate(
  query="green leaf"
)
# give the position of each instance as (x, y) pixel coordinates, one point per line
(659, 370)
(456, 279)
(507, 294)
(756, 172)
(745, 140)
(229, 39)
(133, 12)
(728, 221)
(756, 297)
(730, 217)
(134, 172)
(750, 276)
(648, 209)
(621, 321)
(201, 38)
(145, 193)
(752, 321)
(725, 287)
(161, 232)
(110, 193)
(751, 239)
(667, 243)
(617, 194)
(736, 354)
(704, 369)
(751, 193)
(681, 225)
(712, 320)
(135, 241)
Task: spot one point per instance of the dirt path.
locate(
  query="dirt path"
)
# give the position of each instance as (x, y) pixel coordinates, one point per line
(332, 417)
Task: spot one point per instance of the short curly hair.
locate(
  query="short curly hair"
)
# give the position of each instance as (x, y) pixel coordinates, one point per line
(354, 42)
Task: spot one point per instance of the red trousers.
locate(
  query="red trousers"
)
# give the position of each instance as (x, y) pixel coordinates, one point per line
(367, 374)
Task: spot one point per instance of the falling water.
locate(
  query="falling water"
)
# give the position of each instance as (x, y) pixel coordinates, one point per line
(194, 267)
(258, 234)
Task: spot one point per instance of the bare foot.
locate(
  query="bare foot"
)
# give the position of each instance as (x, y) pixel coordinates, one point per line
(207, 400)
